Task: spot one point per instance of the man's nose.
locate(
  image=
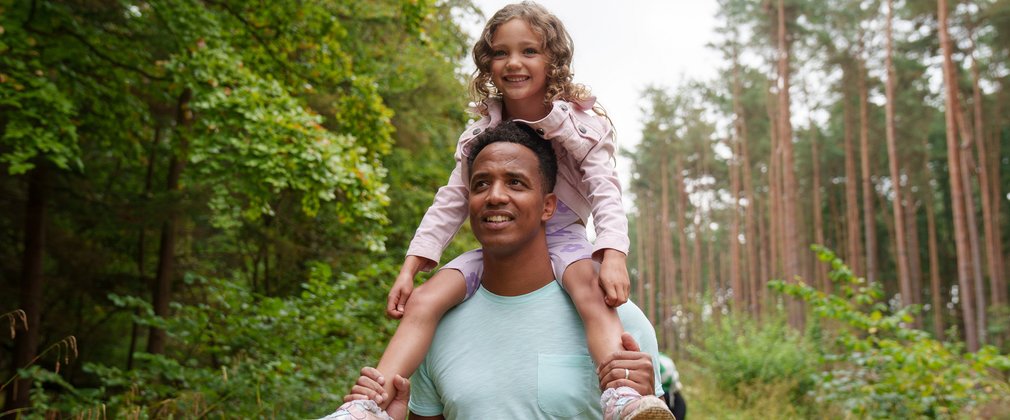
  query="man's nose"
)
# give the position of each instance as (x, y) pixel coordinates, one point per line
(497, 194)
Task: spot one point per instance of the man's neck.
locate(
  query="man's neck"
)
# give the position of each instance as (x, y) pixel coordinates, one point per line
(518, 273)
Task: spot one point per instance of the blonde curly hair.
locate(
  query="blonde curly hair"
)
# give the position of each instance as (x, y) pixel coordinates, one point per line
(557, 46)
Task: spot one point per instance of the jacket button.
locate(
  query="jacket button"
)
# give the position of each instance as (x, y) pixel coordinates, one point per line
(582, 129)
(540, 131)
(564, 107)
(476, 131)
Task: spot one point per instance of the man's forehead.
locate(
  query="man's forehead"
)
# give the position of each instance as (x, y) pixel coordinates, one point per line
(516, 156)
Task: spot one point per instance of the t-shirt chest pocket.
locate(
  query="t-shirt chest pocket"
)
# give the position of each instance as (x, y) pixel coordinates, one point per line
(566, 384)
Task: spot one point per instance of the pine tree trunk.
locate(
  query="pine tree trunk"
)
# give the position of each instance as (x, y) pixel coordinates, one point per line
(912, 239)
(992, 249)
(681, 210)
(774, 192)
(26, 341)
(870, 222)
(739, 295)
(853, 256)
(790, 241)
(821, 270)
(750, 217)
(901, 253)
(639, 252)
(650, 262)
(667, 266)
(957, 194)
(935, 289)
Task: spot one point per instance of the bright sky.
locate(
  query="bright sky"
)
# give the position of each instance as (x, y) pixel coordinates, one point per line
(623, 47)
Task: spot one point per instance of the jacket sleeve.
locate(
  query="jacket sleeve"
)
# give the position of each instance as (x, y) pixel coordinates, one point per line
(443, 218)
(589, 139)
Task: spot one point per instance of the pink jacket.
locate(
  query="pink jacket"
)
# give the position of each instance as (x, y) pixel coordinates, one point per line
(587, 180)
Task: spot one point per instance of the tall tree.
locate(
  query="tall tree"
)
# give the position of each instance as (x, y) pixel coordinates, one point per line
(958, 195)
(790, 241)
(901, 253)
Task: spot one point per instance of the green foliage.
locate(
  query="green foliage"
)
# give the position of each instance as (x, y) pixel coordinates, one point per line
(740, 355)
(244, 355)
(36, 119)
(881, 367)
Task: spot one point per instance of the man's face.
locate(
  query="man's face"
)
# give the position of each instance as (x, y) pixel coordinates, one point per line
(507, 203)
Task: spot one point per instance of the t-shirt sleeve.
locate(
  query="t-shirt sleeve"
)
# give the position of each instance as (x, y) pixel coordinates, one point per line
(424, 399)
(636, 323)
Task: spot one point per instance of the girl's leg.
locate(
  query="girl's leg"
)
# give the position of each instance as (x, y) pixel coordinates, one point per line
(603, 327)
(413, 336)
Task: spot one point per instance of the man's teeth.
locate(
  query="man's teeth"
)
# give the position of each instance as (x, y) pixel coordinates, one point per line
(497, 219)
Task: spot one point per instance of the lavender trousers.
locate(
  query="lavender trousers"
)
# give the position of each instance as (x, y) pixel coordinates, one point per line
(566, 243)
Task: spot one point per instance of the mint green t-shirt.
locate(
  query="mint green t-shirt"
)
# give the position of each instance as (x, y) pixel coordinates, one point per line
(517, 357)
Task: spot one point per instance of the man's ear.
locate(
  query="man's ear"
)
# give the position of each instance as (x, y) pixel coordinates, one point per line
(550, 205)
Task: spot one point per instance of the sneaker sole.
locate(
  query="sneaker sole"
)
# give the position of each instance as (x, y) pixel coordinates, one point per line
(651, 410)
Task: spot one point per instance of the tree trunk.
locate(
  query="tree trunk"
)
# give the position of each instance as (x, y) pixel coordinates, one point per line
(821, 270)
(991, 230)
(166, 254)
(27, 340)
(853, 239)
(640, 259)
(870, 222)
(142, 242)
(935, 290)
(668, 267)
(774, 192)
(956, 192)
(739, 295)
(901, 253)
(650, 262)
(912, 239)
(681, 210)
(790, 232)
(750, 217)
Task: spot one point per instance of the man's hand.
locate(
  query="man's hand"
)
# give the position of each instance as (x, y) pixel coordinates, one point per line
(631, 368)
(369, 387)
(614, 278)
(404, 285)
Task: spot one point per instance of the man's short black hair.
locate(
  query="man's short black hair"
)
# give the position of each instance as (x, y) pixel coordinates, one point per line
(524, 135)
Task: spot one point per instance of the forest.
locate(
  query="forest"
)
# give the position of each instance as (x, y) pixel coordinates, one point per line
(205, 203)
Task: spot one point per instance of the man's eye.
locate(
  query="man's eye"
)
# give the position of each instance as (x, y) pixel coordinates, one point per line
(515, 182)
(479, 184)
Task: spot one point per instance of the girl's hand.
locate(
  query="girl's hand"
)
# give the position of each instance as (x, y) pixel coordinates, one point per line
(614, 278)
(369, 387)
(404, 285)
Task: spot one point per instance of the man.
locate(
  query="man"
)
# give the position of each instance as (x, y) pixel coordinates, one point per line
(517, 349)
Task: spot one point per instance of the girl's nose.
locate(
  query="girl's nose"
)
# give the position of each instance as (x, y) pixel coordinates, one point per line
(512, 61)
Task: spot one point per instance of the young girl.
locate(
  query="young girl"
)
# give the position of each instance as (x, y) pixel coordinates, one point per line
(523, 61)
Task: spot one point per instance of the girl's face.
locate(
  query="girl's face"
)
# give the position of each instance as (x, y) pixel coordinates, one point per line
(519, 65)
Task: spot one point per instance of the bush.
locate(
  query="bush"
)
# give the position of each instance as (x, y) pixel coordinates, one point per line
(880, 367)
(241, 355)
(741, 356)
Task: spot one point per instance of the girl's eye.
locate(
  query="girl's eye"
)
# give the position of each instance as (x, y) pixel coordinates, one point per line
(530, 51)
(498, 53)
